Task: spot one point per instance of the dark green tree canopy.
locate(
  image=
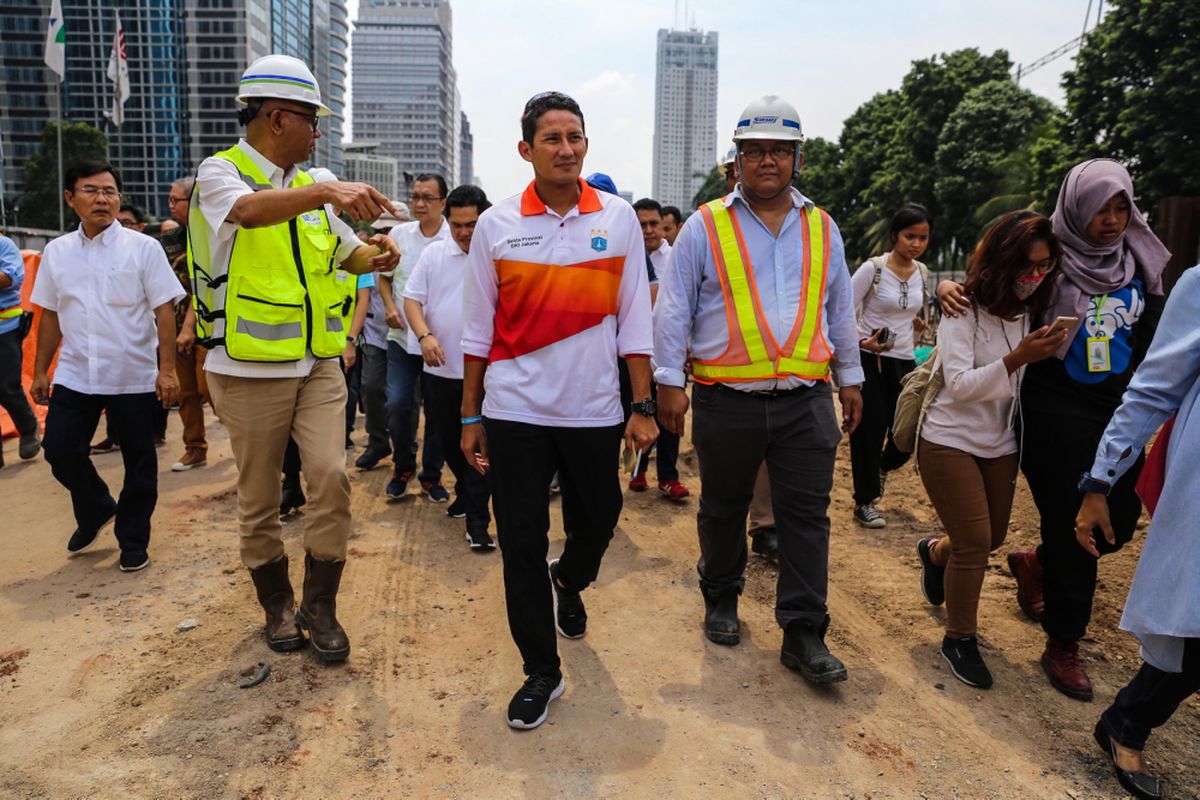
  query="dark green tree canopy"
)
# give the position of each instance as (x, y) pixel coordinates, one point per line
(41, 191)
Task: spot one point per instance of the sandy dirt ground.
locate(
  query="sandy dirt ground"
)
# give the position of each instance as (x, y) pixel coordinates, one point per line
(103, 696)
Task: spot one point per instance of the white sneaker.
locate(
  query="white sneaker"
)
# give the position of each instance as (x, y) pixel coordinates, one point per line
(189, 461)
(869, 517)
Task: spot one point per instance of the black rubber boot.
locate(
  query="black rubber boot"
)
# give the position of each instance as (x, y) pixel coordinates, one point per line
(804, 651)
(721, 624)
(318, 609)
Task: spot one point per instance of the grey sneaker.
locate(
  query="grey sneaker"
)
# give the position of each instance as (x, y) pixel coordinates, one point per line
(30, 445)
(869, 517)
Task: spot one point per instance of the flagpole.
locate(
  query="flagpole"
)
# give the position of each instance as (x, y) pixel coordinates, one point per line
(62, 221)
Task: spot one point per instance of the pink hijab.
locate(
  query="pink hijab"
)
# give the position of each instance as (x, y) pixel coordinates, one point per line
(1091, 269)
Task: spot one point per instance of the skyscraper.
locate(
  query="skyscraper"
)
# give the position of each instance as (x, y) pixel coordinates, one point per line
(466, 149)
(685, 114)
(185, 60)
(405, 93)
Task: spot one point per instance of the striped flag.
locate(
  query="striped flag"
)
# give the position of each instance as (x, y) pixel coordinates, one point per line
(118, 73)
(56, 41)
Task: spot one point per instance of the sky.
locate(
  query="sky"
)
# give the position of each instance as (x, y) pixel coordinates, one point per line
(826, 58)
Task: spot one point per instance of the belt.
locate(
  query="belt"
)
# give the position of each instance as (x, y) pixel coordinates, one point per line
(766, 392)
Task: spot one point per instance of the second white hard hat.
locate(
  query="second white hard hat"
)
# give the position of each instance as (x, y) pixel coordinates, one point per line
(769, 118)
(282, 78)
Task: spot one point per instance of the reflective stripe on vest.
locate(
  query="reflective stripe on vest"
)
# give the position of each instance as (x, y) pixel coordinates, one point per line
(278, 297)
(753, 353)
(11, 313)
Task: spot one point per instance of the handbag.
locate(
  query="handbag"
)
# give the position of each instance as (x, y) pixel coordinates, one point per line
(917, 392)
(24, 325)
(1154, 472)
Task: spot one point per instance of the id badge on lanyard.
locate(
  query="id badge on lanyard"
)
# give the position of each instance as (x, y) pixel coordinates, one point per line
(1099, 358)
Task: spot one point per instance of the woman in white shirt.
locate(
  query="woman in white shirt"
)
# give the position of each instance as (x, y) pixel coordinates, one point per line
(968, 451)
(889, 293)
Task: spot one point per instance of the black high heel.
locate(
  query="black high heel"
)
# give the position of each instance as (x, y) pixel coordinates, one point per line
(1138, 784)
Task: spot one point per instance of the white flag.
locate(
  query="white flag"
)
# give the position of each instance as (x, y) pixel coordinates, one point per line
(56, 41)
(118, 73)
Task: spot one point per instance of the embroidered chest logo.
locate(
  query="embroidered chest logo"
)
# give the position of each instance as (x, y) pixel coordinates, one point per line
(599, 240)
(311, 217)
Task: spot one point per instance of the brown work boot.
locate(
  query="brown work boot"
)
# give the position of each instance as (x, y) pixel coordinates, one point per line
(279, 601)
(1025, 567)
(318, 609)
(1062, 666)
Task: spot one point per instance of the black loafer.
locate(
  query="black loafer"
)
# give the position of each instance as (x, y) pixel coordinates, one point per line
(1138, 784)
(82, 540)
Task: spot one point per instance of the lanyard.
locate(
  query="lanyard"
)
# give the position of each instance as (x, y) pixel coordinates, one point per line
(1100, 300)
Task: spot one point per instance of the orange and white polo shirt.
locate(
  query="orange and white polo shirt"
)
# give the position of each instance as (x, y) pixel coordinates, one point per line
(551, 302)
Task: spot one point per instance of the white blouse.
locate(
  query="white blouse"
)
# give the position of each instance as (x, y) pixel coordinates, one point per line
(893, 305)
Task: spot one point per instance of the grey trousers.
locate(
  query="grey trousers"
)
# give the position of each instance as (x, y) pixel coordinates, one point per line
(796, 434)
(374, 394)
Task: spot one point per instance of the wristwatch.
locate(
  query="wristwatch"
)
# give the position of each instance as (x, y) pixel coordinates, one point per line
(647, 408)
(1090, 485)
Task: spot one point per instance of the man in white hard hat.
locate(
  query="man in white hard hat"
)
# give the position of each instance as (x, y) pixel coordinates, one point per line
(758, 301)
(728, 168)
(263, 241)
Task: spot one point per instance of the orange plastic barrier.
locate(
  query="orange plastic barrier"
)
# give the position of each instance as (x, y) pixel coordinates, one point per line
(32, 261)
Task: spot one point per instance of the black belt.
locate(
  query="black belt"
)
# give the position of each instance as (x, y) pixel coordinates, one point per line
(766, 392)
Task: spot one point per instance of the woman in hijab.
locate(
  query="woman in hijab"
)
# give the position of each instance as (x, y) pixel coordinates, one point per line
(1163, 608)
(1110, 282)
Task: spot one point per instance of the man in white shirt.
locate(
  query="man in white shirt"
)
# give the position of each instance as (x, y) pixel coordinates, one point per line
(433, 304)
(556, 291)
(263, 242)
(108, 296)
(427, 201)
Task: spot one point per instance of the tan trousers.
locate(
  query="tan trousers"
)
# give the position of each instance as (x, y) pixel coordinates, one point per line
(973, 497)
(193, 393)
(761, 514)
(260, 414)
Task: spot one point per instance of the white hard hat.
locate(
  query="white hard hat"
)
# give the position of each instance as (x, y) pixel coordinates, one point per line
(321, 175)
(388, 220)
(282, 78)
(769, 118)
(730, 158)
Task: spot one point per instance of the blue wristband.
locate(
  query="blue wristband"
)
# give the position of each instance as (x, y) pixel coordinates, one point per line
(471, 420)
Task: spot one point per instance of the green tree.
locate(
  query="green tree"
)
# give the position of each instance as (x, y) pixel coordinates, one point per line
(1134, 95)
(712, 188)
(41, 192)
(978, 150)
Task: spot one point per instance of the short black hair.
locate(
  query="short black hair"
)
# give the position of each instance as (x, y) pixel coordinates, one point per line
(86, 169)
(539, 104)
(908, 215)
(132, 209)
(648, 204)
(672, 211)
(466, 196)
(443, 189)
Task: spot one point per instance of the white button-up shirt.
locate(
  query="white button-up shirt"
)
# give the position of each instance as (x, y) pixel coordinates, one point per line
(104, 291)
(220, 186)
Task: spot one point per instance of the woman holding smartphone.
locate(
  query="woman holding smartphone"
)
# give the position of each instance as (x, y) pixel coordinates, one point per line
(968, 449)
(1111, 279)
(889, 293)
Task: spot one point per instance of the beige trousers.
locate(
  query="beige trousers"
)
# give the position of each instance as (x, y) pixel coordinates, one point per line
(260, 414)
(761, 514)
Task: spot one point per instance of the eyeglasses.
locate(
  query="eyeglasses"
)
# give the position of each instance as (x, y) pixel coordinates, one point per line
(129, 223)
(107, 192)
(904, 295)
(173, 200)
(313, 119)
(780, 152)
(1042, 267)
(424, 198)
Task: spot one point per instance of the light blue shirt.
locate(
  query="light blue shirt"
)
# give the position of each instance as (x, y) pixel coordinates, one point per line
(12, 265)
(689, 315)
(1163, 608)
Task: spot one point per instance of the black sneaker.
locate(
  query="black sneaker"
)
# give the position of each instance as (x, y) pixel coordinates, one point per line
(370, 458)
(531, 703)
(105, 445)
(933, 577)
(82, 540)
(965, 661)
(398, 485)
(869, 517)
(480, 540)
(457, 509)
(570, 617)
(133, 560)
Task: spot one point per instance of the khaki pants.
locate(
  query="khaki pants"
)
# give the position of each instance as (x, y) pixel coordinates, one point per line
(193, 393)
(762, 516)
(260, 414)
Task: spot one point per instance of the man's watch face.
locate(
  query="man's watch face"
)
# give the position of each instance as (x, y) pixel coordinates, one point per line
(647, 407)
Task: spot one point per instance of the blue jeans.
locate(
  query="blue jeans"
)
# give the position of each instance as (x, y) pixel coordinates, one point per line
(403, 378)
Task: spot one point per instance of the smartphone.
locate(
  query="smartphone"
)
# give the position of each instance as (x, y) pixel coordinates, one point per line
(1061, 324)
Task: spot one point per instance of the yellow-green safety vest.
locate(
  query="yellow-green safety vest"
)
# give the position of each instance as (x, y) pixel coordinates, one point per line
(279, 296)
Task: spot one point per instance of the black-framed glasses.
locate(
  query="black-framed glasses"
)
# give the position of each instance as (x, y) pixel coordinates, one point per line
(413, 199)
(779, 152)
(904, 295)
(313, 119)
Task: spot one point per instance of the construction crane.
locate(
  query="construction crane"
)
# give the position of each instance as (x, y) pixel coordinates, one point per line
(1062, 50)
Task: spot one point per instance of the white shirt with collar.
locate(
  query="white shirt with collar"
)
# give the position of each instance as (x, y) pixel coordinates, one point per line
(412, 243)
(220, 185)
(105, 290)
(659, 258)
(436, 283)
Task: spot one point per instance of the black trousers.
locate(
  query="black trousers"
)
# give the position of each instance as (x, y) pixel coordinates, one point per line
(353, 390)
(70, 424)
(12, 396)
(1058, 449)
(1149, 700)
(444, 405)
(869, 454)
(667, 447)
(524, 458)
(374, 396)
(797, 434)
